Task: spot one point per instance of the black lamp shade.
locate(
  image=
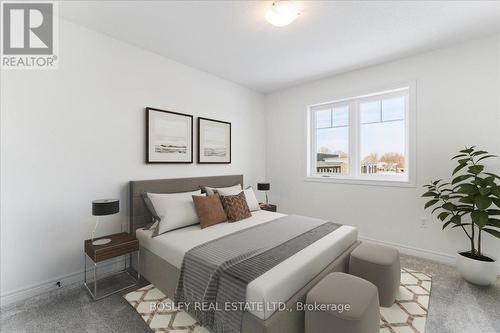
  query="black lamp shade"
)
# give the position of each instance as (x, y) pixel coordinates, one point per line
(263, 186)
(105, 207)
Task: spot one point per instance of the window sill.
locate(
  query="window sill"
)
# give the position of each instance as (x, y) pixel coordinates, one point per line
(359, 181)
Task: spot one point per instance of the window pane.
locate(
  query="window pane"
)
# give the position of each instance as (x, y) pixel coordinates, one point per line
(382, 148)
(379, 147)
(369, 112)
(332, 155)
(324, 118)
(341, 116)
(393, 108)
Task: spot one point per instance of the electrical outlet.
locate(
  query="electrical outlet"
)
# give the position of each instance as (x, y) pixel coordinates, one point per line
(423, 222)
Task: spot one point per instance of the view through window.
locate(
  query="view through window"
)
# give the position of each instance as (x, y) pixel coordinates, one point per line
(362, 137)
(332, 138)
(382, 136)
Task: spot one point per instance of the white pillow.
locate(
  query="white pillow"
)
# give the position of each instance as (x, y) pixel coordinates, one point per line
(252, 202)
(176, 210)
(230, 190)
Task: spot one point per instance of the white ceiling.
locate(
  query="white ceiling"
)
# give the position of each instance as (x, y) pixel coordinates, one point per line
(232, 40)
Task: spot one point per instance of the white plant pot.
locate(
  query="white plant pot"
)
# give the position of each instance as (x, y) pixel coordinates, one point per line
(478, 272)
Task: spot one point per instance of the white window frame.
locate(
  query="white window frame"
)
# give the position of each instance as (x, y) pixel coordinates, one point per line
(354, 176)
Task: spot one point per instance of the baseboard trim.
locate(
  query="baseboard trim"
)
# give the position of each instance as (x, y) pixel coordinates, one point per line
(415, 251)
(440, 257)
(68, 281)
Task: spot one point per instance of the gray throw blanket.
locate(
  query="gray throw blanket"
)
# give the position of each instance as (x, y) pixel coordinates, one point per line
(218, 272)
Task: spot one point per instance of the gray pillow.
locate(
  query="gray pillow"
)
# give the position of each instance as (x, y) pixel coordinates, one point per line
(155, 219)
(213, 190)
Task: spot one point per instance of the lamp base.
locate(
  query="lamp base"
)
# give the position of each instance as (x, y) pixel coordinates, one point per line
(101, 241)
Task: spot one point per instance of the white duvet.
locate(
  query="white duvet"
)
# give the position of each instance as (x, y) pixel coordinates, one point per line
(276, 285)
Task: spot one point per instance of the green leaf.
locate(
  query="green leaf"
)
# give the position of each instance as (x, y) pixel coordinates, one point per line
(484, 191)
(446, 224)
(494, 223)
(478, 181)
(496, 201)
(493, 232)
(482, 202)
(467, 200)
(464, 209)
(485, 157)
(442, 216)
(436, 182)
(468, 150)
(476, 169)
(449, 206)
(435, 209)
(489, 180)
(457, 156)
(461, 225)
(480, 218)
(461, 178)
(467, 189)
(492, 175)
(430, 194)
(431, 203)
(493, 211)
(495, 190)
(456, 219)
(458, 168)
(479, 152)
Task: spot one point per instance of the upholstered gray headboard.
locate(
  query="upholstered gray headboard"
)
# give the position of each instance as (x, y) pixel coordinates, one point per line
(139, 214)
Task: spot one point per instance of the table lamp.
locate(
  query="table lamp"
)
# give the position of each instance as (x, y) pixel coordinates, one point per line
(264, 187)
(103, 207)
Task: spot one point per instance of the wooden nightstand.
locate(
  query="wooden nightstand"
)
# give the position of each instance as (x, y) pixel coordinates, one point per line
(122, 244)
(268, 207)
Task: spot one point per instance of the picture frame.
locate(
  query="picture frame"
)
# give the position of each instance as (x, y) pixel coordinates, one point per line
(169, 136)
(214, 141)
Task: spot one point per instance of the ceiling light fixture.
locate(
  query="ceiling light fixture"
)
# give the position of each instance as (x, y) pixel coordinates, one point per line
(282, 13)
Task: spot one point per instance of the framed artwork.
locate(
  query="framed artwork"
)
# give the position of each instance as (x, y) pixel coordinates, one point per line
(214, 141)
(169, 137)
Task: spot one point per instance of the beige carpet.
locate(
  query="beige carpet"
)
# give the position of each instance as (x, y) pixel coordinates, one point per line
(408, 313)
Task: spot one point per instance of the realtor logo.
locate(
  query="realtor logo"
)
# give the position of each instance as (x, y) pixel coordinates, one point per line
(29, 34)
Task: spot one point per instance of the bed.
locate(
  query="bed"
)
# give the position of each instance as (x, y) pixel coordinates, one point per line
(161, 257)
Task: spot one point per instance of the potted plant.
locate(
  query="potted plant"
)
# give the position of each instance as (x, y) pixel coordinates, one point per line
(471, 202)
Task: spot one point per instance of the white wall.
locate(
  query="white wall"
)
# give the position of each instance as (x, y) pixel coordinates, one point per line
(458, 104)
(77, 133)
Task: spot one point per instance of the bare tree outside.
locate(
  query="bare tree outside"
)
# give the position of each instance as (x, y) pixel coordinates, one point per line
(391, 162)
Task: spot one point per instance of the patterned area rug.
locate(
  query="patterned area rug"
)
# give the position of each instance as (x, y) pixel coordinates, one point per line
(408, 313)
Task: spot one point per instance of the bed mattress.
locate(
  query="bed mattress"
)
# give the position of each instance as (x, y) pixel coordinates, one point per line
(276, 285)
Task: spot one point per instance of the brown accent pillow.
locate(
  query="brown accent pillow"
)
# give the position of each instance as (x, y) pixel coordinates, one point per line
(209, 210)
(236, 207)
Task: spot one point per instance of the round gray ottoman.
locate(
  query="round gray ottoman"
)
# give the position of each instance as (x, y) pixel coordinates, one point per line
(342, 290)
(380, 265)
